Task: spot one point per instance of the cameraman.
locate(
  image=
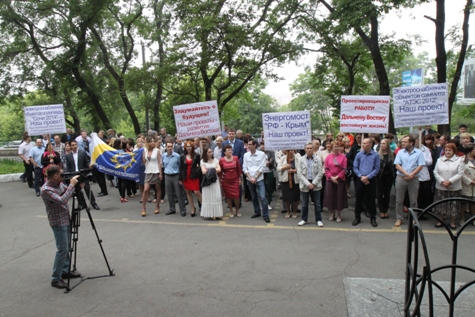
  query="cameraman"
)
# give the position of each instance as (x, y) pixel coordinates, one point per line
(56, 195)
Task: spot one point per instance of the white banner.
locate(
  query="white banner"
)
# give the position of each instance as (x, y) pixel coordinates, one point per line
(44, 119)
(421, 105)
(286, 130)
(364, 114)
(196, 120)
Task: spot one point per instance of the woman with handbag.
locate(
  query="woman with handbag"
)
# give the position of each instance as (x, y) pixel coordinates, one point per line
(212, 206)
(336, 198)
(191, 174)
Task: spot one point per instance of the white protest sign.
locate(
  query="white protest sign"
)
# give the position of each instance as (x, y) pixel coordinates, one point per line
(421, 105)
(365, 114)
(286, 130)
(196, 120)
(47, 119)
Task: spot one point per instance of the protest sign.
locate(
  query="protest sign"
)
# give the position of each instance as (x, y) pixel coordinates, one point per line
(47, 119)
(421, 105)
(196, 120)
(286, 130)
(365, 114)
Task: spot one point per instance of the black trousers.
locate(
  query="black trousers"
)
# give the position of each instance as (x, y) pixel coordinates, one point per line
(28, 173)
(38, 178)
(425, 196)
(366, 193)
(89, 194)
(101, 179)
(384, 185)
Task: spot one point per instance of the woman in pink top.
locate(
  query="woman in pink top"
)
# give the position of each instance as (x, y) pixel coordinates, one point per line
(335, 192)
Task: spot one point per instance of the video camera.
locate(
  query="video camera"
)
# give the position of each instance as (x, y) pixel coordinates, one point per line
(83, 174)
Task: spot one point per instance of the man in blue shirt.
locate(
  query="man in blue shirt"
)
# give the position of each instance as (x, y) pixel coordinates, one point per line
(35, 159)
(366, 167)
(409, 162)
(171, 164)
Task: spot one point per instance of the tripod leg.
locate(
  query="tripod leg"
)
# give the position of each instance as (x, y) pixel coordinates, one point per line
(73, 238)
(99, 240)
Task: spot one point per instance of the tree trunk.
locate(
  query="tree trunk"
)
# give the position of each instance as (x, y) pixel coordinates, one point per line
(76, 124)
(82, 82)
(461, 59)
(373, 44)
(119, 79)
(156, 106)
(441, 59)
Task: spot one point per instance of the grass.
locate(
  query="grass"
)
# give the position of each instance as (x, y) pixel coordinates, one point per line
(10, 167)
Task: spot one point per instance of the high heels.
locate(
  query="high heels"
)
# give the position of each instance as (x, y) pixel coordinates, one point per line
(143, 213)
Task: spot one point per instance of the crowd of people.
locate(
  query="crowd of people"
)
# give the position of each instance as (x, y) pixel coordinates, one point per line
(236, 167)
(423, 168)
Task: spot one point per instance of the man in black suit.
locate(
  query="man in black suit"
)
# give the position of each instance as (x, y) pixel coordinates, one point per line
(439, 151)
(238, 145)
(77, 160)
(68, 136)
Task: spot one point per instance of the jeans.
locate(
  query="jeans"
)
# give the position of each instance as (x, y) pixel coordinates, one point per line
(61, 260)
(258, 192)
(315, 195)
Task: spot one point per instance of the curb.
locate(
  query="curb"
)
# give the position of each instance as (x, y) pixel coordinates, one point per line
(7, 178)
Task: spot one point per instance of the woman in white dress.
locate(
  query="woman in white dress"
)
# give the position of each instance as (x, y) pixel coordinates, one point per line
(212, 205)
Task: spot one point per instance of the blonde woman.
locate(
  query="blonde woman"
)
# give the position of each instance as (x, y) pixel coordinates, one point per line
(385, 178)
(152, 159)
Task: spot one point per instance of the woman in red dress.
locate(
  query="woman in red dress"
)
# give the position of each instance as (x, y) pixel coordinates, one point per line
(231, 179)
(191, 174)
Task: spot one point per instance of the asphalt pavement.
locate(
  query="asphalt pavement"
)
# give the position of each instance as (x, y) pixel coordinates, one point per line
(184, 266)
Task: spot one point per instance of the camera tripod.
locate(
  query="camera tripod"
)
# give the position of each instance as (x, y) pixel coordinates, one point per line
(74, 237)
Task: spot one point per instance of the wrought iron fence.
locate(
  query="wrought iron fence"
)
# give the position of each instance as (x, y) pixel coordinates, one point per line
(418, 283)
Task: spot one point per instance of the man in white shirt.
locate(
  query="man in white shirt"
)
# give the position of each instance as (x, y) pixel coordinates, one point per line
(23, 153)
(253, 167)
(84, 142)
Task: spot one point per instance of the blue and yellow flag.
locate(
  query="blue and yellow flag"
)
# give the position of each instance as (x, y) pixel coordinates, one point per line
(114, 162)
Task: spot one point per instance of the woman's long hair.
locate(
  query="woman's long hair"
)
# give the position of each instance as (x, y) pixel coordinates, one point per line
(390, 153)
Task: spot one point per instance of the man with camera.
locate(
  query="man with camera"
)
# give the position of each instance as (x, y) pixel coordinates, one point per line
(77, 160)
(56, 195)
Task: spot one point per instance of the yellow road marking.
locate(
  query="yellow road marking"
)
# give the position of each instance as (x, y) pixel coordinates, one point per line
(268, 226)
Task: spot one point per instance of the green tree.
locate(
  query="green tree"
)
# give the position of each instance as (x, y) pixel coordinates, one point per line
(441, 59)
